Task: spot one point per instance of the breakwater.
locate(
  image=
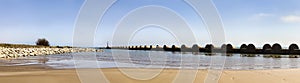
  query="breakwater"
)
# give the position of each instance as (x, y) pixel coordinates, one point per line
(8, 52)
(225, 48)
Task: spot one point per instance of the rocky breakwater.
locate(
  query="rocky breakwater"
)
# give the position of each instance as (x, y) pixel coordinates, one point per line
(6, 52)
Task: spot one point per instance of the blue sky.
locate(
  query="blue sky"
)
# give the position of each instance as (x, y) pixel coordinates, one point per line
(245, 21)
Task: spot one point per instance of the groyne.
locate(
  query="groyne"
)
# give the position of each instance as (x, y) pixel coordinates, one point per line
(276, 48)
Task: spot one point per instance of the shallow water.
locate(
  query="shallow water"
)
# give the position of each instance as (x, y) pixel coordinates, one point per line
(154, 59)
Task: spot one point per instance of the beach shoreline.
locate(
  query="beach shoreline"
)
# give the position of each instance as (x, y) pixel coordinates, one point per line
(44, 74)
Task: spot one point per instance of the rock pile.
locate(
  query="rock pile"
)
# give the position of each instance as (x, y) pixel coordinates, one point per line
(23, 52)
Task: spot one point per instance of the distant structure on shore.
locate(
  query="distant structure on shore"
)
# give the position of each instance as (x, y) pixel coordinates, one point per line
(107, 46)
(225, 48)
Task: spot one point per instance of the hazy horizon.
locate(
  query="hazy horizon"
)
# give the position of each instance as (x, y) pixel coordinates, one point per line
(255, 21)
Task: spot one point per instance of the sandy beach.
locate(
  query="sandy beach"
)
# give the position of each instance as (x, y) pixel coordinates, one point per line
(42, 74)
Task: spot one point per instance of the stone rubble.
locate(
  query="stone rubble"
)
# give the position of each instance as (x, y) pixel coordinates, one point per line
(23, 52)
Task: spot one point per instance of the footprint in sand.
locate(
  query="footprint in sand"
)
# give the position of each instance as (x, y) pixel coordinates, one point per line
(232, 78)
(284, 79)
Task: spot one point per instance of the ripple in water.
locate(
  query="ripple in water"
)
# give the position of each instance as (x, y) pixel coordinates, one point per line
(155, 59)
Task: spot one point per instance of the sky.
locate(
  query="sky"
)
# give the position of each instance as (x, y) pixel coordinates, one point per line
(245, 21)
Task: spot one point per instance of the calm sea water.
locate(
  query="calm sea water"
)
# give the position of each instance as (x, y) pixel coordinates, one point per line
(154, 59)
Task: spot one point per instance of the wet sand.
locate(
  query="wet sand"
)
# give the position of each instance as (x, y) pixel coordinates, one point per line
(42, 74)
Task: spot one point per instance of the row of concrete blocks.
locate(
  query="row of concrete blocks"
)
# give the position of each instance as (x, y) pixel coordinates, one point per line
(228, 48)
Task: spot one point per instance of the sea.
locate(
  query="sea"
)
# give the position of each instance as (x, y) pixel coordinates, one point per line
(113, 58)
